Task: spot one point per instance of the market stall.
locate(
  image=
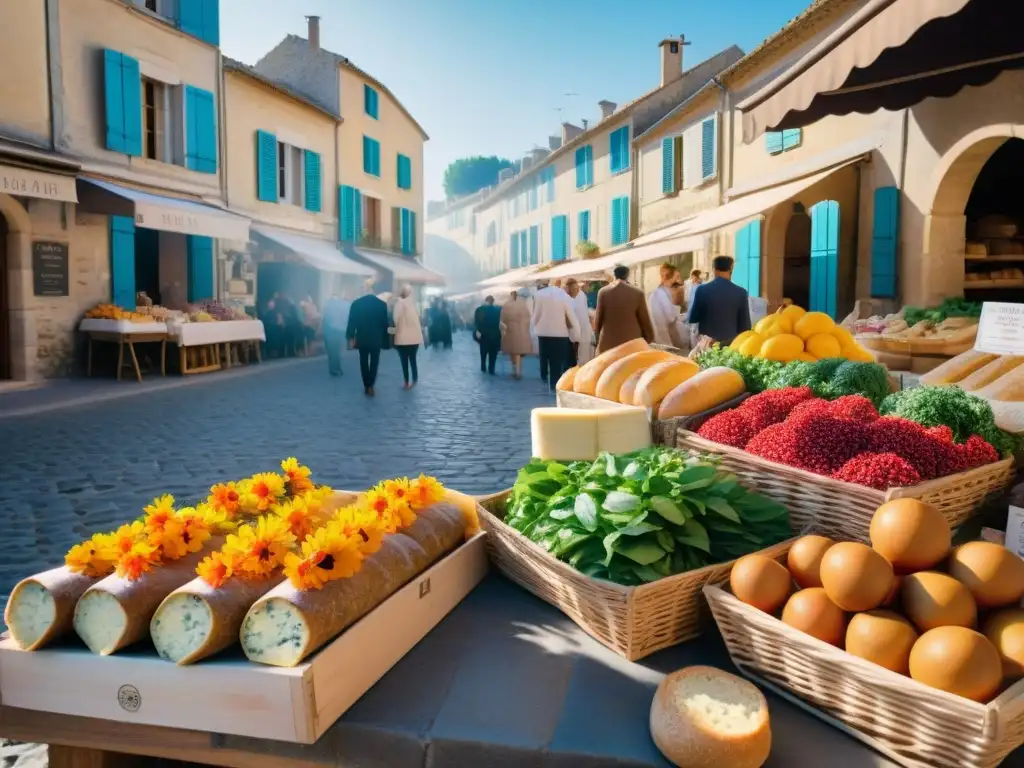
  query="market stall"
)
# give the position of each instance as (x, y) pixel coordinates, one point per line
(203, 344)
(125, 333)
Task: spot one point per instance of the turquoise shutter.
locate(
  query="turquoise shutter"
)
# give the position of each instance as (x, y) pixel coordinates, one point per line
(619, 149)
(884, 237)
(551, 183)
(668, 165)
(524, 253)
(211, 22)
(200, 268)
(312, 163)
(741, 257)
(200, 131)
(590, 165)
(114, 88)
(376, 158)
(403, 215)
(824, 256)
(266, 167)
(200, 18)
(534, 245)
(346, 221)
(371, 103)
(404, 172)
(773, 142)
(792, 138)
(412, 233)
(559, 239)
(122, 261)
(367, 155)
(583, 226)
(357, 216)
(747, 269)
(513, 250)
(581, 168)
(707, 148)
(620, 220)
(131, 78)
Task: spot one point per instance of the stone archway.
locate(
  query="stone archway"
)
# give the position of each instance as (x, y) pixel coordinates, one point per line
(945, 224)
(19, 344)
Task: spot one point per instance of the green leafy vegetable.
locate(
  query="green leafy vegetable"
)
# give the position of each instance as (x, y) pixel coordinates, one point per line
(638, 518)
(955, 307)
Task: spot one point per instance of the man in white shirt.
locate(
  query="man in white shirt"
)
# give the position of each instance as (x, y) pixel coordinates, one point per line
(553, 321)
(664, 311)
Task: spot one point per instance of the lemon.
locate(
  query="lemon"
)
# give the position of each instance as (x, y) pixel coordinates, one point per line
(813, 323)
(783, 348)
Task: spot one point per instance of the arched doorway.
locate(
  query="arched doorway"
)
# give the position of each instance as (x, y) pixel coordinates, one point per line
(796, 266)
(824, 272)
(5, 313)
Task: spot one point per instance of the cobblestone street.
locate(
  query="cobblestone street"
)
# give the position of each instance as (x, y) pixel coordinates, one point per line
(68, 473)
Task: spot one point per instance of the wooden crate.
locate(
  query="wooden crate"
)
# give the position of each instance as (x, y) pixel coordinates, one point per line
(845, 510)
(633, 621)
(913, 724)
(233, 695)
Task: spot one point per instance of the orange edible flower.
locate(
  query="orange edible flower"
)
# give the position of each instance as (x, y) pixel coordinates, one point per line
(379, 504)
(264, 490)
(138, 560)
(298, 476)
(260, 548)
(302, 515)
(216, 569)
(92, 557)
(358, 520)
(425, 491)
(226, 498)
(327, 555)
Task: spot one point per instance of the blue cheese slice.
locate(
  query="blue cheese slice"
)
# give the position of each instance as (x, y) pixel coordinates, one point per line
(31, 613)
(181, 625)
(41, 607)
(100, 621)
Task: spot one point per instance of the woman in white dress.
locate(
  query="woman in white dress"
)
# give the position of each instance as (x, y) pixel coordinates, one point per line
(585, 345)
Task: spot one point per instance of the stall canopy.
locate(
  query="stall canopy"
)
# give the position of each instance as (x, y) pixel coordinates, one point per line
(626, 257)
(319, 254)
(167, 214)
(512, 277)
(891, 54)
(403, 270)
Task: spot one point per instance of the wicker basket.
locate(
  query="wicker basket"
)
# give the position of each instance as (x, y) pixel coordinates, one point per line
(845, 509)
(633, 621)
(911, 723)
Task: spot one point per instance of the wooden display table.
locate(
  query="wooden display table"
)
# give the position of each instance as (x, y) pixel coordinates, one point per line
(125, 333)
(202, 346)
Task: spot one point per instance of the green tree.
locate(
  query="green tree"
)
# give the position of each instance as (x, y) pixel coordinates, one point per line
(471, 174)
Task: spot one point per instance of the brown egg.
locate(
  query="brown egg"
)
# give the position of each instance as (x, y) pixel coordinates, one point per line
(761, 582)
(1005, 630)
(993, 574)
(910, 534)
(804, 559)
(855, 577)
(811, 611)
(931, 599)
(882, 637)
(957, 660)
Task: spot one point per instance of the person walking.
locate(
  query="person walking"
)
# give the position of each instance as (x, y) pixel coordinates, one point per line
(621, 313)
(720, 309)
(367, 332)
(408, 335)
(487, 332)
(335, 325)
(690, 286)
(583, 349)
(664, 310)
(554, 322)
(515, 332)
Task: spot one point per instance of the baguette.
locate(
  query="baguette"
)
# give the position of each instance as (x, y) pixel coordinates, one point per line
(42, 607)
(115, 612)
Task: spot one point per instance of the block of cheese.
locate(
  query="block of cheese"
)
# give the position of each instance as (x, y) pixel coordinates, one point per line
(623, 430)
(564, 434)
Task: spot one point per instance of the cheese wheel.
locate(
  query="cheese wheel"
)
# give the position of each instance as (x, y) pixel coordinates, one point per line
(41, 608)
(662, 378)
(566, 379)
(115, 612)
(615, 375)
(702, 717)
(627, 392)
(702, 392)
(587, 376)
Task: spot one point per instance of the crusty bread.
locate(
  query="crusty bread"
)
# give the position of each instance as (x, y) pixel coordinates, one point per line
(702, 717)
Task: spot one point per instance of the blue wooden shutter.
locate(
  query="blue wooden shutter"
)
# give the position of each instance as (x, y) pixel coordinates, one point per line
(668, 165)
(404, 172)
(534, 245)
(367, 155)
(412, 233)
(583, 226)
(312, 163)
(707, 148)
(824, 256)
(346, 219)
(190, 17)
(114, 88)
(559, 244)
(131, 77)
(747, 269)
(792, 138)
(619, 149)
(513, 250)
(773, 142)
(590, 164)
(620, 220)
(266, 167)
(357, 215)
(550, 172)
(122, 261)
(884, 237)
(403, 215)
(211, 22)
(200, 131)
(581, 168)
(200, 268)
(524, 253)
(371, 103)
(741, 257)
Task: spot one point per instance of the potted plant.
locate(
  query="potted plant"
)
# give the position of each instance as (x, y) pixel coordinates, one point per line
(587, 249)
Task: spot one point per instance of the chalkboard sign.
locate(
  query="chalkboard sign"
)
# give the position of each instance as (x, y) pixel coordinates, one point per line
(50, 269)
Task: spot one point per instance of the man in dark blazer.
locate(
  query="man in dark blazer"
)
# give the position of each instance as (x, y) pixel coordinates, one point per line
(621, 313)
(487, 332)
(368, 332)
(720, 309)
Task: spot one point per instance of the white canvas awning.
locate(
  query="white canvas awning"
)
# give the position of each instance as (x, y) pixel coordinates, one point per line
(512, 277)
(625, 257)
(167, 214)
(319, 254)
(402, 269)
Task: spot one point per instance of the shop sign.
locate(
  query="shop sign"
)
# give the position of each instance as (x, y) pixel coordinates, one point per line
(1001, 329)
(50, 269)
(47, 186)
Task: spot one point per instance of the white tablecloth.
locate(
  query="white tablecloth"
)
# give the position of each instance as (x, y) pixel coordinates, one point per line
(120, 326)
(217, 332)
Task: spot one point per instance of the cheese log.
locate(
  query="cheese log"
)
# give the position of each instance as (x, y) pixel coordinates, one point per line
(708, 389)
(438, 529)
(957, 369)
(623, 430)
(196, 621)
(42, 607)
(662, 378)
(615, 375)
(565, 381)
(115, 612)
(587, 376)
(287, 624)
(990, 373)
(627, 392)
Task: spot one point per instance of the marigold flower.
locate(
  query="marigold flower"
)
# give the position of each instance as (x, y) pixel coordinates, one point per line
(158, 513)
(425, 491)
(263, 490)
(379, 504)
(261, 547)
(216, 569)
(298, 476)
(138, 560)
(302, 515)
(187, 533)
(398, 488)
(92, 557)
(358, 520)
(120, 542)
(226, 498)
(327, 555)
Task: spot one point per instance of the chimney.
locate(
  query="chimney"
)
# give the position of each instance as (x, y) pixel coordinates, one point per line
(607, 108)
(505, 174)
(671, 59)
(537, 154)
(314, 31)
(554, 142)
(526, 163)
(570, 132)
(584, 121)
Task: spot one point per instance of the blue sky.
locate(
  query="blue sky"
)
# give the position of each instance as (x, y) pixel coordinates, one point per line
(487, 77)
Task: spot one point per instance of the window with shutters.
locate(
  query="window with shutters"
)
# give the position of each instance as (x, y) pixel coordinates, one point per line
(584, 167)
(671, 164)
(777, 142)
(700, 152)
(370, 226)
(619, 149)
(404, 172)
(157, 121)
(371, 102)
(165, 8)
(291, 178)
(492, 234)
(583, 226)
(371, 156)
(620, 220)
